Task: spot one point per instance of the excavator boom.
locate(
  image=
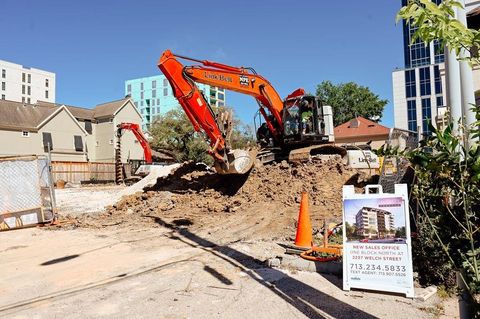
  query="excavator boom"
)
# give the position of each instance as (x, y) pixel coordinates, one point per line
(199, 112)
(135, 128)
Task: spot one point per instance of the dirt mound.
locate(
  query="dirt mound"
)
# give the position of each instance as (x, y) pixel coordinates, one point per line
(262, 204)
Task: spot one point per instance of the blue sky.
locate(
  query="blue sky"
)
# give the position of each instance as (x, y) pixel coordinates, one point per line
(93, 46)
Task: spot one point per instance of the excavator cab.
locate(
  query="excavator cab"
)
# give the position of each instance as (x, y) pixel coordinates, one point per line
(304, 123)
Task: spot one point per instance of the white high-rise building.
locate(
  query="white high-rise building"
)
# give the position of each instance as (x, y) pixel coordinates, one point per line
(27, 85)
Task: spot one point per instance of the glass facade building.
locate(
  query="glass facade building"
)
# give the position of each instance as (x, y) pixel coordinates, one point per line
(153, 97)
(422, 82)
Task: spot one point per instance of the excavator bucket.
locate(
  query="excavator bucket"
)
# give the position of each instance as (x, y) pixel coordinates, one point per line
(239, 162)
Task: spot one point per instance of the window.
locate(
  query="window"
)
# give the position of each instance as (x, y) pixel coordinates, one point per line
(158, 101)
(28, 100)
(165, 82)
(141, 96)
(25, 134)
(46, 83)
(154, 93)
(154, 84)
(438, 80)
(439, 101)
(165, 91)
(141, 103)
(29, 78)
(426, 116)
(29, 90)
(141, 87)
(412, 115)
(3, 96)
(3, 86)
(47, 141)
(153, 110)
(129, 88)
(439, 52)
(88, 126)
(23, 99)
(158, 110)
(23, 77)
(417, 53)
(46, 94)
(220, 103)
(410, 87)
(141, 111)
(220, 96)
(136, 104)
(4, 73)
(23, 89)
(110, 142)
(78, 143)
(425, 81)
(153, 102)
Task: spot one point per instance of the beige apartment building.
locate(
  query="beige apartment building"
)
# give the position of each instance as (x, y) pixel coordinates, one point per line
(71, 133)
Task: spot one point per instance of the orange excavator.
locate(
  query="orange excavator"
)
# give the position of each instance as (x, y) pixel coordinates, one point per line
(294, 128)
(147, 151)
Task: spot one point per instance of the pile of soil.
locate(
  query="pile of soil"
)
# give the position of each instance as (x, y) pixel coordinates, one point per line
(260, 205)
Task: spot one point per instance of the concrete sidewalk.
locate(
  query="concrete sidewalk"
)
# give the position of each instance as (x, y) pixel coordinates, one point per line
(158, 273)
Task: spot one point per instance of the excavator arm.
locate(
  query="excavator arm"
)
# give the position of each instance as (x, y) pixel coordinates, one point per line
(199, 112)
(135, 128)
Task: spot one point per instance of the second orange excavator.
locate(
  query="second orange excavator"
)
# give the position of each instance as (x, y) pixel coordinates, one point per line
(294, 128)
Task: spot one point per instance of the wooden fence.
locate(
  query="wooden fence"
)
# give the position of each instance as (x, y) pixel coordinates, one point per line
(77, 172)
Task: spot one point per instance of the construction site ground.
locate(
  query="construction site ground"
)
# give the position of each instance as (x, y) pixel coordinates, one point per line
(193, 245)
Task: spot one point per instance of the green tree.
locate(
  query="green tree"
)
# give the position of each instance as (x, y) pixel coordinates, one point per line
(400, 232)
(349, 100)
(173, 131)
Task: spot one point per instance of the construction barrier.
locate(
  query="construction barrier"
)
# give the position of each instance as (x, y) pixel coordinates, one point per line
(76, 172)
(26, 192)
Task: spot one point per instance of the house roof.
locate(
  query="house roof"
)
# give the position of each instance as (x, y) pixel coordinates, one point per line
(109, 108)
(359, 127)
(16, 115)
(78, 112)
(21, 116)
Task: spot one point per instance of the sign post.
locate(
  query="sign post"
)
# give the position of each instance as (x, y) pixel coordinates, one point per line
(377, 249)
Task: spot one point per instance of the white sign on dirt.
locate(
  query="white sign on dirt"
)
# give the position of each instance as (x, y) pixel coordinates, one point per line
(376, 240)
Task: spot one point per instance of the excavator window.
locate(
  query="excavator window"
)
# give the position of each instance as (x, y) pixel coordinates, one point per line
(292, 120)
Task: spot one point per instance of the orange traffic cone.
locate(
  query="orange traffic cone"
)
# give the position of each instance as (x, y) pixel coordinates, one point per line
(304, 227)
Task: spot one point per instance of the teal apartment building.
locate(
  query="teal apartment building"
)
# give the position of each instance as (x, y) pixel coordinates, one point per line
(153, 97)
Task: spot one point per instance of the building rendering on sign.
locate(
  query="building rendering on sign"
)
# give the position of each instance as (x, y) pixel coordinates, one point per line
(153, 96)
(419, 89)
(26, 85)
(374, 222)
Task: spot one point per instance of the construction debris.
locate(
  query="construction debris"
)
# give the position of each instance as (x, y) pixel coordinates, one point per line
(261, 205)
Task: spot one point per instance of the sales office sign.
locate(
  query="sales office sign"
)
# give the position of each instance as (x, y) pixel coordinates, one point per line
(376, 240)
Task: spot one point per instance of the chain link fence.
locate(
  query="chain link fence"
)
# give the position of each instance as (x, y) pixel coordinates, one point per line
(396, 169)
(27, 196)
